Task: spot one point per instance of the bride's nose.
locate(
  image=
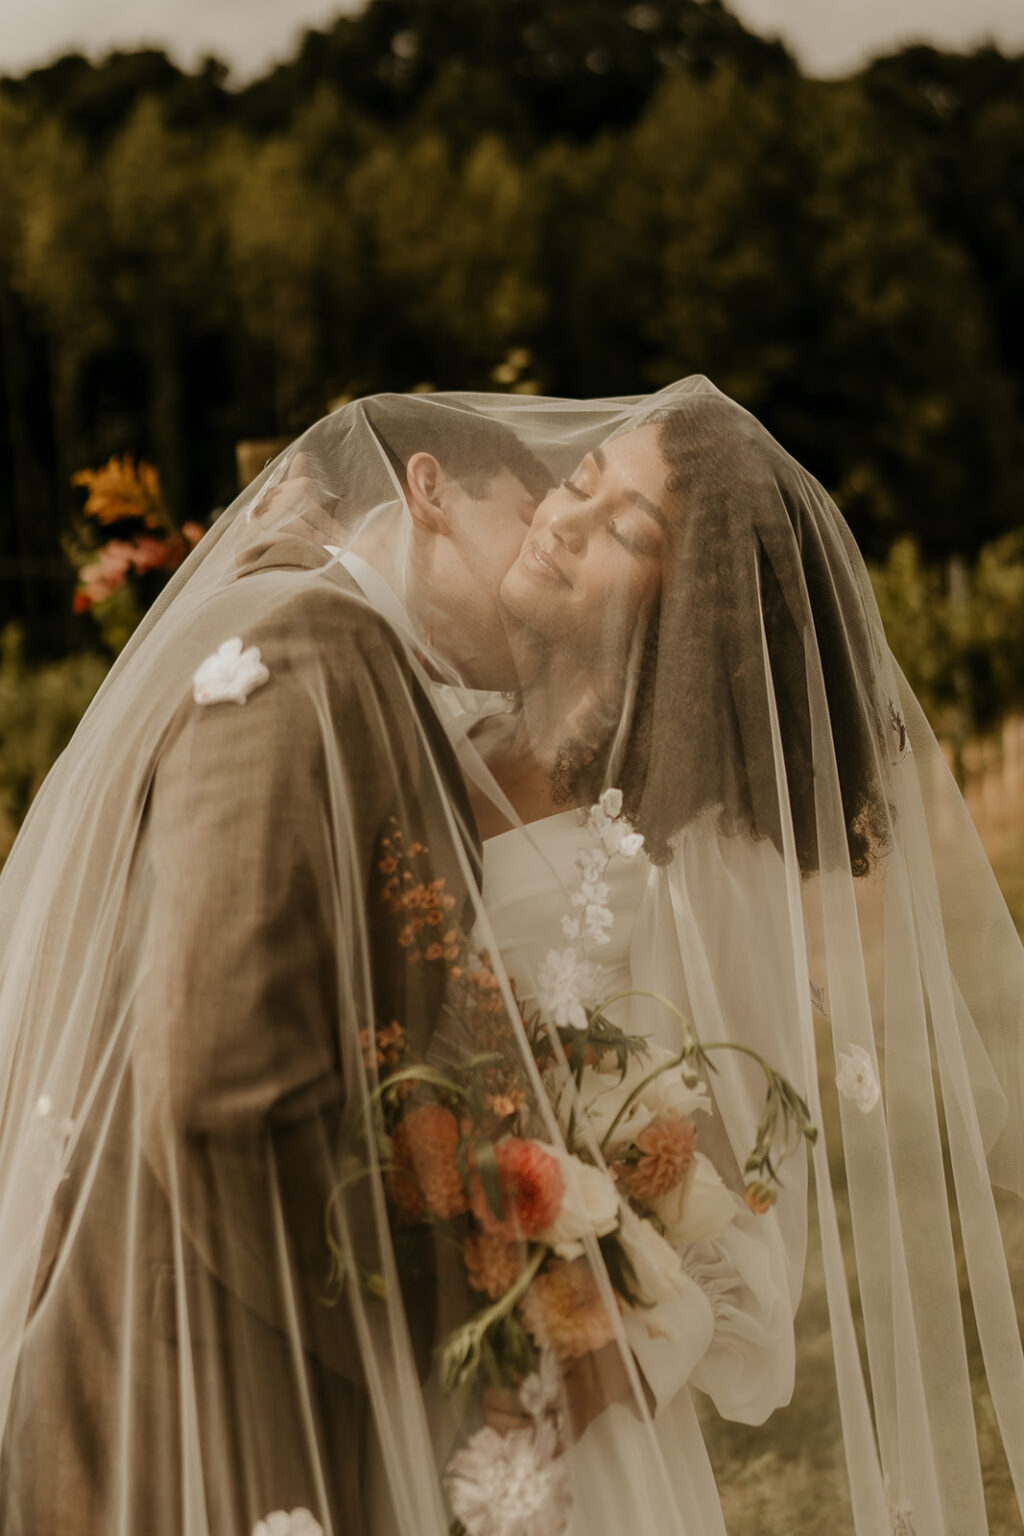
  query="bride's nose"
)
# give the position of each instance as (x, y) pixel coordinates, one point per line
(570, 526)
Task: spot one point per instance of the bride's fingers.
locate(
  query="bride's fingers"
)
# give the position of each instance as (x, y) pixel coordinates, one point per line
(503, 1411)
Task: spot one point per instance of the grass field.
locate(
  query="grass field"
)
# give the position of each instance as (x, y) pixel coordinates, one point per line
(788, 1477)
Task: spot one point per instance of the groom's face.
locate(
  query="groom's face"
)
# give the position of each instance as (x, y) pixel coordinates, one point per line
(488, 529)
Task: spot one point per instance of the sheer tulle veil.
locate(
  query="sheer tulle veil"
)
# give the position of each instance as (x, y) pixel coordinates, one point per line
(213, 1301)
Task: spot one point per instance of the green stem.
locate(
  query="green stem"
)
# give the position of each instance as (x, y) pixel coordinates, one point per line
(657, 997)
(669, 1066)
(693, 1045)
(469, 1337)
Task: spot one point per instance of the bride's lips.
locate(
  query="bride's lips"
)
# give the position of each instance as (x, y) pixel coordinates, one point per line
(540, 563)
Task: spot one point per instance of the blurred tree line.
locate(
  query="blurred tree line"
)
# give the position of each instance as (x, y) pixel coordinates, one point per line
(630, 191)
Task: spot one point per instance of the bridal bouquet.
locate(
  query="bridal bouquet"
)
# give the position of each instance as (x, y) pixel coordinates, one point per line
(530, 1184)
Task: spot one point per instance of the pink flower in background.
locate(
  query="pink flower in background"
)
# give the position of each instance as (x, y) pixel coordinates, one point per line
(107, 572)
(149, 554)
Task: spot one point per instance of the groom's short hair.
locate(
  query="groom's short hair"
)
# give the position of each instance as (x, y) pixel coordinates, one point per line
(470, 447)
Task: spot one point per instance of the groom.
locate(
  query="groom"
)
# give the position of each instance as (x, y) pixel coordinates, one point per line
(213, 1371)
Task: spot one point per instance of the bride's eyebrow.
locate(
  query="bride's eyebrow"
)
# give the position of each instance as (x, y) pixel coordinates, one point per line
(636, 498)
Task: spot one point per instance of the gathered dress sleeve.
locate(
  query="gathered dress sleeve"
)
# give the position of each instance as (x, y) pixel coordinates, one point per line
(730, 1333)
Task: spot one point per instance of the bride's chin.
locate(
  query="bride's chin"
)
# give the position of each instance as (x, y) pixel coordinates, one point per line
(537, 611)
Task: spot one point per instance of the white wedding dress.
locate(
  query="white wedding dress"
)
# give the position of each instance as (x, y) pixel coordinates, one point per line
(733, 1327)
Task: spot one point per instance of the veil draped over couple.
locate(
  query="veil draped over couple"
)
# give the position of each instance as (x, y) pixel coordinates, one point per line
(504, 885)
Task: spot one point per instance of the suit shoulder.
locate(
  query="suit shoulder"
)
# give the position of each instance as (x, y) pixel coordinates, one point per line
(322, 601)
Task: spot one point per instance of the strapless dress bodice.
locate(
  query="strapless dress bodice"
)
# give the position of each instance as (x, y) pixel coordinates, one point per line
(528, 875)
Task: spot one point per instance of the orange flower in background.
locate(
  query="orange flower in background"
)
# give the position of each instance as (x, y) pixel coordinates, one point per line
(666, 1156)
(492, 1264)
(532, 1188)
(563, 1310)
(123, 491)
(427, 1178)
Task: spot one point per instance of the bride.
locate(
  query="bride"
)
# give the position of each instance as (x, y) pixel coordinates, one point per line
(692, 624)
(342, 1201)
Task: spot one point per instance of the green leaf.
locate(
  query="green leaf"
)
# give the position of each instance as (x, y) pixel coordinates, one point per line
(487, 1167)
(621, 1272)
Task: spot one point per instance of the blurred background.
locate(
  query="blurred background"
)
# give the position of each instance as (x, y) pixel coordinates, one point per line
(821, 206)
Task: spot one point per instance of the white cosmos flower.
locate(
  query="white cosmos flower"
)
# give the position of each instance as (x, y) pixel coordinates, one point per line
(590, 1204)
(590, 892)
(592, 863)
(229, 675)
(659, 1271)
(299, 1522)
(565, 984)
(510, 1485)
(701, 1206)
(611, 803)
(603, 821)
(596, 924)
(857, 1079)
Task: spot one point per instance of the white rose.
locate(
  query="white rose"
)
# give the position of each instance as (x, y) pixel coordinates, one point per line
(668, 1094)
(659, 1272)
(701, 1206)
(590, 1204)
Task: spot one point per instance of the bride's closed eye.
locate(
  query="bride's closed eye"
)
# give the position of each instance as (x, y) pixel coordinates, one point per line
(635, 546)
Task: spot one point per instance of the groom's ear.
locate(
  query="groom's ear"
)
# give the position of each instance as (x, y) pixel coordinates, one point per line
(425, 482)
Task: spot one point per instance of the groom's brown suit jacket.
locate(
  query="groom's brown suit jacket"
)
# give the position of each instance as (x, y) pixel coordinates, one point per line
(231, 1098)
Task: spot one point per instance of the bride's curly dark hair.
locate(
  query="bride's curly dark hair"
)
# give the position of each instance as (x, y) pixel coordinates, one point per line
(762, 623)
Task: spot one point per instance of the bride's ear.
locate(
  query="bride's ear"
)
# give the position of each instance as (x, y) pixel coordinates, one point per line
(425, 482)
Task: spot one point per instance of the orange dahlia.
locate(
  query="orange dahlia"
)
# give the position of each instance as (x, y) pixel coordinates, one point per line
(666, 1155)
(492, 1264)
(531, 1185)
(563, 1310)
(427, 1178)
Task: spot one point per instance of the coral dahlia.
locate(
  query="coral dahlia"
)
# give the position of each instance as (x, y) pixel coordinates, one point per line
(563, 1309)
(666, 1155)
(424, 1145)
(532, 1187)
(492, 1264)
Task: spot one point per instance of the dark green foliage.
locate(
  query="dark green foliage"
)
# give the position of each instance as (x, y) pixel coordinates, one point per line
(625, 192)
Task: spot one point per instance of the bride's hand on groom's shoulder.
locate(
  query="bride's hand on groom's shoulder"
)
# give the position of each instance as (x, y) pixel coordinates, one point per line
(298, 499)
(589, 1386)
